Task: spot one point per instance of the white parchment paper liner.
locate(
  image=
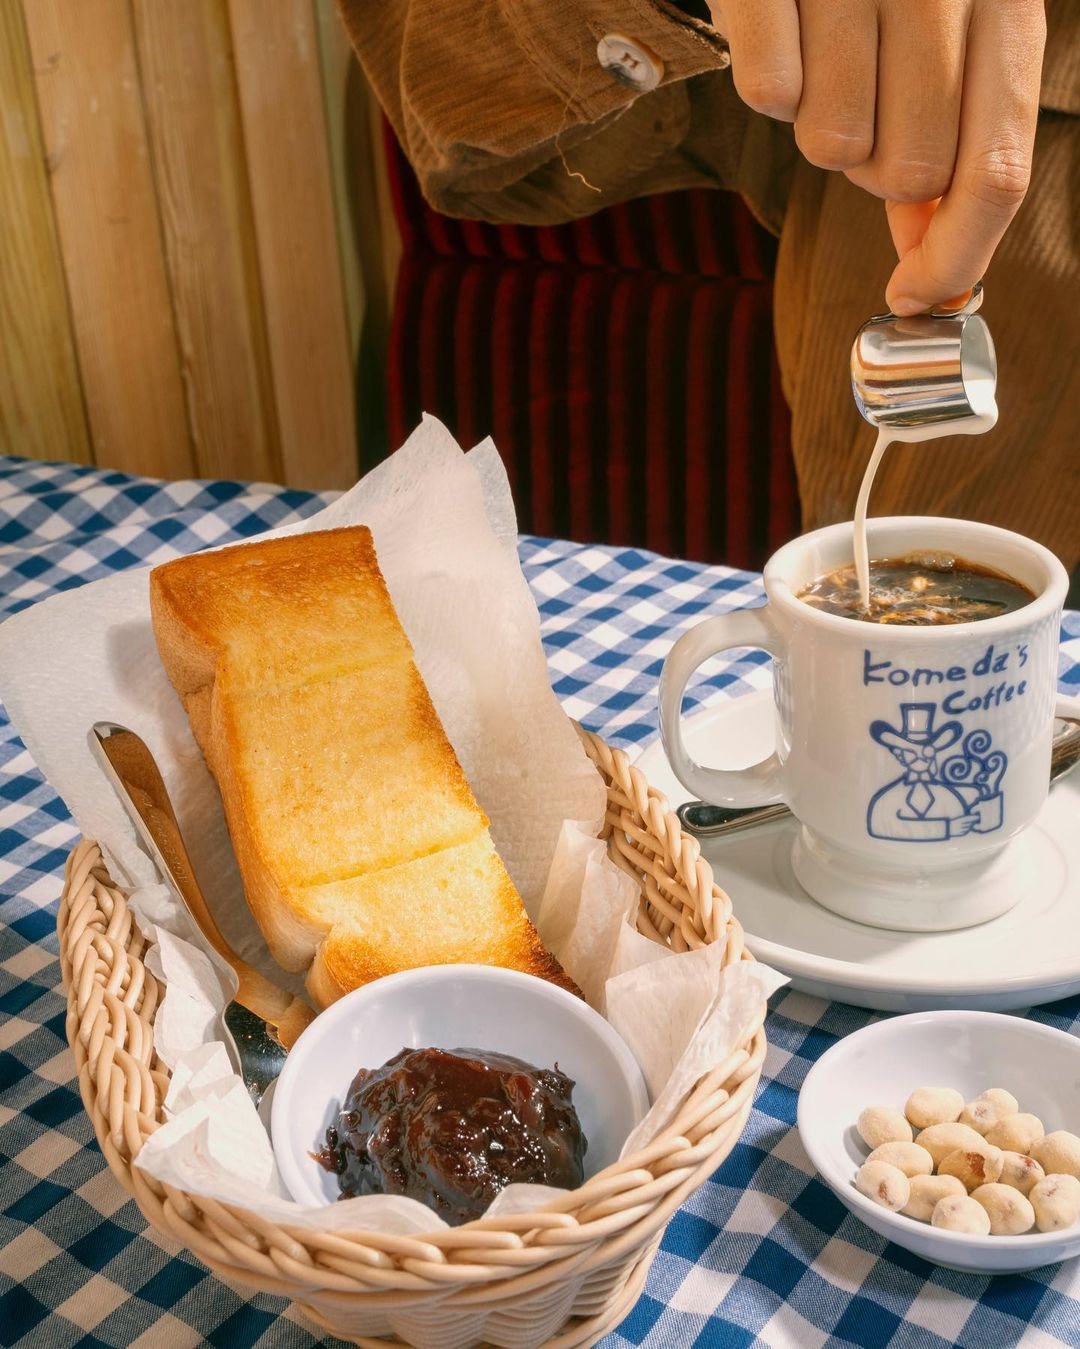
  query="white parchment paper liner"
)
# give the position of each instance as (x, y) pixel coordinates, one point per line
(445, 532)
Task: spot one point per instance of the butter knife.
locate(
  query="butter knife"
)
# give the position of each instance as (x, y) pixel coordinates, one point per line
(263, 1020)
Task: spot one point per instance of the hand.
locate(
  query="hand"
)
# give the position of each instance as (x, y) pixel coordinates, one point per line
(931, 104)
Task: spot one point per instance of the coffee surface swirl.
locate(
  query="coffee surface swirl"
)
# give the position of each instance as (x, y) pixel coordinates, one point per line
(920, 590)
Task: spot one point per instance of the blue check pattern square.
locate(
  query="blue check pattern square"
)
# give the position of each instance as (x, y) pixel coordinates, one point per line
(762, 1255)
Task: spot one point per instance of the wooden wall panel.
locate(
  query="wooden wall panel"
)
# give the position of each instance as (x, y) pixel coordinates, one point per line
(337, 62)
(193, 116)
(384, 255)
(366, 228)
(110, 236)
(41, 408)
(281, 100)
(186, 233)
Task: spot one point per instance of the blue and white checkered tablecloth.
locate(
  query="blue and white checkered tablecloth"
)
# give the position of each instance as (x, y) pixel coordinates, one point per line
(763, 1254)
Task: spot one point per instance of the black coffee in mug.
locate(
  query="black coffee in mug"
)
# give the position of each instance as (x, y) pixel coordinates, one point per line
(920, 590)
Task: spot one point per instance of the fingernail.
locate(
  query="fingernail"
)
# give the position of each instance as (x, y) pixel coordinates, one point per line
(957, 302)
(905, 307)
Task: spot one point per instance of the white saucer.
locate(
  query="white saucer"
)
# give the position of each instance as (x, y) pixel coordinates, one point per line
(1029, 955)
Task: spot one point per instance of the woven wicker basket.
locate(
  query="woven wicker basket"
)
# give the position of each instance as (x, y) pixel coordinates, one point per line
(563, 1276)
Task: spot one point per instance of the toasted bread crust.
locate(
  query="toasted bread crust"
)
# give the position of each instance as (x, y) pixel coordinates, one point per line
(360, 844)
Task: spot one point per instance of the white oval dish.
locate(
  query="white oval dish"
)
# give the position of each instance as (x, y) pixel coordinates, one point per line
(451, 1007)
(883, 1063)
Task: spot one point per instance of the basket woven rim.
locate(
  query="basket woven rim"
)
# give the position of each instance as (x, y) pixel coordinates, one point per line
(113, 997)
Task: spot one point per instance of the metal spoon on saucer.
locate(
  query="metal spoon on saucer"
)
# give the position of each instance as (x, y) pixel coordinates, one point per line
(701, 820)
(263, 1021)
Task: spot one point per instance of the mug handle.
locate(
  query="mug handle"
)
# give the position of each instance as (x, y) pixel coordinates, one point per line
(758, 785)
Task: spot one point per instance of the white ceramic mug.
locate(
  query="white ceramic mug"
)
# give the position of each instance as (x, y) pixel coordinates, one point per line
(910, 755)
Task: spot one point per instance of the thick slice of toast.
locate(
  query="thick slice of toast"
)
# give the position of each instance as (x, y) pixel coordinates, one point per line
(360, 844)
(342, 775)
(442, 896)
(283, 611)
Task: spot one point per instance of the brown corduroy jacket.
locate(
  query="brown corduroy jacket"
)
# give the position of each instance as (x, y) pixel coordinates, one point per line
(507, 114)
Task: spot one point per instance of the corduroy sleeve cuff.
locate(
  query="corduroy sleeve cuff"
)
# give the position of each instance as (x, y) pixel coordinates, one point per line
(497, 79)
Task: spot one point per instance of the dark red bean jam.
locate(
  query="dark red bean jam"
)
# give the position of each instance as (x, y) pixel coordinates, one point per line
(453, 1129)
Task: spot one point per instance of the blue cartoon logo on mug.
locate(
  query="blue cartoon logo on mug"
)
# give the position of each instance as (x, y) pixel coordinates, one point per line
(939, 795)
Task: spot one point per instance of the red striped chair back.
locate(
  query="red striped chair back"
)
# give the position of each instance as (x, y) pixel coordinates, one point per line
(623, 365)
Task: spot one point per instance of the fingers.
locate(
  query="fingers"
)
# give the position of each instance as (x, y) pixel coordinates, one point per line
(835, 123)
(997, 129)
(766, 65)
(920, 81)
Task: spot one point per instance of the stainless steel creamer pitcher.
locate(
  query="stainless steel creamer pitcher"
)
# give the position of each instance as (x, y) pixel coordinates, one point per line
(927, 369)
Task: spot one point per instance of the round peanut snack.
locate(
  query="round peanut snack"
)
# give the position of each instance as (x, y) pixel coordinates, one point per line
(973, 1166)
(1005, 1101)
(960, 1213)
(884, 1184)
(989, 1109)
(933, 1105)
(882, 1124)
(941, 1139)
(1020, 1172)
(1016, 1133)
(1056, 1201)
(906, 1157)
(1058, 1153)
(1009, 1211)
(926, 1191)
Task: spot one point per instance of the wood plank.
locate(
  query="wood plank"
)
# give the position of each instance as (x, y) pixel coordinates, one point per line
(110, 236)
(370, 244)
(41, 407)
(193, 116)
(336, 62)
(281, 101)
(381, 251)
(390, 248)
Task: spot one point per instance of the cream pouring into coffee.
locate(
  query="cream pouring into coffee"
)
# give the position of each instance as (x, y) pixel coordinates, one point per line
(917, 379)
(983, 420)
